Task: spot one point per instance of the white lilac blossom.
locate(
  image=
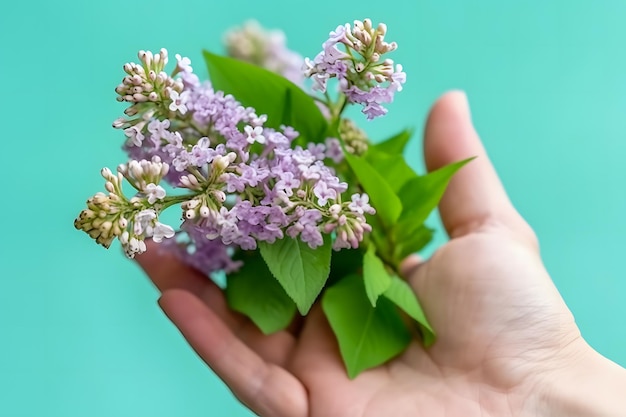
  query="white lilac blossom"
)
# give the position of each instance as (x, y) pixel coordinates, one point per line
(264, 48)
(364, 76)
(130, 220)
(245, 182)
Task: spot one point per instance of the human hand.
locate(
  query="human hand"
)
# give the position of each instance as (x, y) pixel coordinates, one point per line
(507, 344)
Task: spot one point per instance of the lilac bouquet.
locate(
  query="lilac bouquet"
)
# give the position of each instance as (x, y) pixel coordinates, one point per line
(278, 190)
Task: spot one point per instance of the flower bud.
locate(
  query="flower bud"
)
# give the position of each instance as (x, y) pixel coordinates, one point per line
(219, 195)
(131, 111)
(135, 169)
(220, 163)
(106, 173)
(382, 28)
(119, 123)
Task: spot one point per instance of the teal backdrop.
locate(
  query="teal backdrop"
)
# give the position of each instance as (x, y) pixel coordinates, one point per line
(80, 331)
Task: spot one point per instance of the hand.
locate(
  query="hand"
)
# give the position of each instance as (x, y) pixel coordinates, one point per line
(505, 336)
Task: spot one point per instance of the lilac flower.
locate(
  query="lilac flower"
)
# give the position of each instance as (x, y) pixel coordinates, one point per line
(205, 255)
(178, 101)
(363, 76)
(317, 150)
(134, 135)
(158, 128)
(287, 183)
(154, 192)
(239, 194)
(373, 110)
(324, 193)
(162, 231)
(183, 64)
(312, 236)
(333, 150)
(267, 49)
(360, 204)
(255, 134)
(339, 35)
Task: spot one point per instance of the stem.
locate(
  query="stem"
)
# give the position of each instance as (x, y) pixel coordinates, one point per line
(170, 201)
(344, 103)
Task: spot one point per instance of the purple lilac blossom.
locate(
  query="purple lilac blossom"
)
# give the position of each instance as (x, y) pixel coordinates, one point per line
(238, 197)
(362, 76)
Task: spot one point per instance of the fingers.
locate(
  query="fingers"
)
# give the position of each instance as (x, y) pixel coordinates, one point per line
(475, 195)
(267, 389)
(409, 265)
(168, 272)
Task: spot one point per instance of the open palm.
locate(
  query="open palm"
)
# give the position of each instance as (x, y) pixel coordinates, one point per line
(499, 320)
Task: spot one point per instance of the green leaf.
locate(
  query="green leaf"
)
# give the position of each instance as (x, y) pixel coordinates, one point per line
(367, 336)
(409, 237)
(344, 263)
(421, 195)
(300, 270)
(281, 100)
(253, 291)
(401, 294)
(375, 275)
(384, 199)
(394, 168)
(394, 145)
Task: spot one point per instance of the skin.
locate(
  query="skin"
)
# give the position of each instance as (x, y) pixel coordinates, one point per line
(505, 336)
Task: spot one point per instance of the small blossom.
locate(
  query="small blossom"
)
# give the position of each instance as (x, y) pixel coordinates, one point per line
(178, 101)
(183, 64)
(324, 193)
(255, 134)
(162, 231)
(333, 150)
(154, 193)
(134, 134)
(360, 204)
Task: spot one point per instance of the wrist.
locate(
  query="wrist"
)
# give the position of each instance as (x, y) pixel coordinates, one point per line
(587, 385)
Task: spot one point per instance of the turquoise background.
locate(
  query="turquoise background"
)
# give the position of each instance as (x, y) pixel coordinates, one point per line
(80, 331)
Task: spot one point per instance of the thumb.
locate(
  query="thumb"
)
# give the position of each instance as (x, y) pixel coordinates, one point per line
(475, 196)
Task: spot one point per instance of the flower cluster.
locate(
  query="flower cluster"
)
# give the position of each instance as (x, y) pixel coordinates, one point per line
(277, 181)
(265, 48)
(130, 220)
(364, 76)
(245, 182)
